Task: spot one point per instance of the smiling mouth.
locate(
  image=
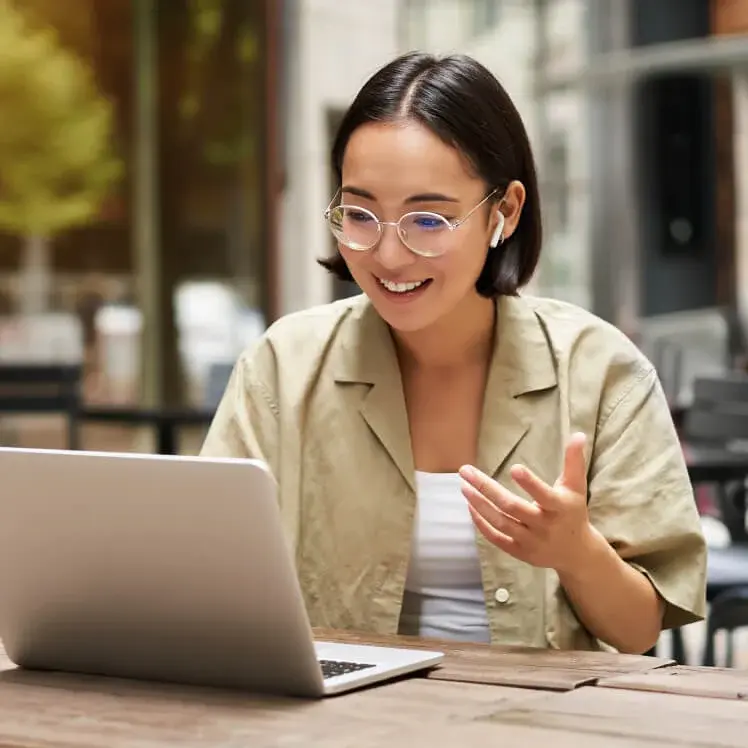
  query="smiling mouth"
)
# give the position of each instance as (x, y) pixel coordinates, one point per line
(402, 288)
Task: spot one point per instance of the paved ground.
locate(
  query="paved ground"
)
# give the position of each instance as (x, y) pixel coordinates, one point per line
(48, 432)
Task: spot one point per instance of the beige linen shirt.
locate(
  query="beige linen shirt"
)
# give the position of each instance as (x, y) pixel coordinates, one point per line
(319, 398)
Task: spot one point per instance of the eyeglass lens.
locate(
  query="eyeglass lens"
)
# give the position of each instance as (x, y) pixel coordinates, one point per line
(359, 229)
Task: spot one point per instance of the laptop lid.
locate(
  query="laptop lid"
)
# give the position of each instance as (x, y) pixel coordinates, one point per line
(151, 567)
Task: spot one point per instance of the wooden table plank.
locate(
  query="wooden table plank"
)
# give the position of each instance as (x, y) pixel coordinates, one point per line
(517, 676)
(528, 736)
(719, 683)
(600, 662)
(55, 710)
(524, 667)
(634, 717)
(52, 709)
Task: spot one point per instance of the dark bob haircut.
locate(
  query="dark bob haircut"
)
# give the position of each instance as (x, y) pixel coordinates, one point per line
(462, 103)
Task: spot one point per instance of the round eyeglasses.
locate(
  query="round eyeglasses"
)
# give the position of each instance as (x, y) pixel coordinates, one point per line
(424, 233)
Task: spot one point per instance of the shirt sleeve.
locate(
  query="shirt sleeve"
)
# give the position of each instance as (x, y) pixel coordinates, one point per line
(641, 499)
(246, 421)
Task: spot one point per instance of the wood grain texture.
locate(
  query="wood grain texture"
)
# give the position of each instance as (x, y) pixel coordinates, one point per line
(523, 667)
(49, 709)
(55, 710)
(718, 683)
(632, 718)
(481, 735)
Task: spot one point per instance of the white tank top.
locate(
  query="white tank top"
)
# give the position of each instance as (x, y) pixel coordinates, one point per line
(443, 590)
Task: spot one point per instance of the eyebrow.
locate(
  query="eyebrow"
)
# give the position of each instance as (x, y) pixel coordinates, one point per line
(424, 197)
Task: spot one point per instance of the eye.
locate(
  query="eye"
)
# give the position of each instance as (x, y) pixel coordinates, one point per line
(428, 222)
(359, 216)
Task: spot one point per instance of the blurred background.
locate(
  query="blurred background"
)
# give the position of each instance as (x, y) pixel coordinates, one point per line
(164, 171)
(164, 168)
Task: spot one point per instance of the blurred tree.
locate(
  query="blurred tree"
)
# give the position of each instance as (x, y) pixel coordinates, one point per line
(56, 162)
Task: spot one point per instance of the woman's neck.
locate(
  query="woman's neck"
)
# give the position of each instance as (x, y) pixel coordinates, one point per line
(463, 337)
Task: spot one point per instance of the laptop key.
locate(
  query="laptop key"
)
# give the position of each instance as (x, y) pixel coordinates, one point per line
(333, 668)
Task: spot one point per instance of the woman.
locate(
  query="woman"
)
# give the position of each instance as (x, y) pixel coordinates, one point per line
(454, 459)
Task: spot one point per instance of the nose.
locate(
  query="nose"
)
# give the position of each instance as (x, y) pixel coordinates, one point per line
(390, 252)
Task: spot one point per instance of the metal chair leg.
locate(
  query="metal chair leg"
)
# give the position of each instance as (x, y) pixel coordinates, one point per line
(708, 659)
(679, 649)
(730, 649)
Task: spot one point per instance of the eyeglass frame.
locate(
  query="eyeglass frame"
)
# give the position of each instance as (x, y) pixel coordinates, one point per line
(453, 225)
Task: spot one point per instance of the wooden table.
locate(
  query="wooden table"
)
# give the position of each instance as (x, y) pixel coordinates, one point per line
(566, 700)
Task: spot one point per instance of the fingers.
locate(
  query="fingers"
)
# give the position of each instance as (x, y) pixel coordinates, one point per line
(488, 510)
(501, 540)
(574, 476)
(492, 499)
(538, 489)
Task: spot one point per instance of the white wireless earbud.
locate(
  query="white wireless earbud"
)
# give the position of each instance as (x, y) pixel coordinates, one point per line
(498, 235)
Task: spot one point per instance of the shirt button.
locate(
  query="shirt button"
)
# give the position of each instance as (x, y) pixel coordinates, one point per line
(502, 595)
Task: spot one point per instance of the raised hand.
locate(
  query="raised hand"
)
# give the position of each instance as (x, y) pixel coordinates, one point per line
(553, 530)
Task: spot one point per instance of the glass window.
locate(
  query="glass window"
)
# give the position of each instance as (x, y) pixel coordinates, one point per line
(207, 214)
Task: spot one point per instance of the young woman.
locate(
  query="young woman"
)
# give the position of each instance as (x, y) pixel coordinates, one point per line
(455, 459)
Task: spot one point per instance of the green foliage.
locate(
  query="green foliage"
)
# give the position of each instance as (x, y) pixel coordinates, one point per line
(226, 138)
(56, 163)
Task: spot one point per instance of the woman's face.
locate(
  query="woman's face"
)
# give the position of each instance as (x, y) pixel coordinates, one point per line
(394, 169)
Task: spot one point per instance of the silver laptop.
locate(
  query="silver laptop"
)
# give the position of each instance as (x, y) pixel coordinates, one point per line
(170, 569)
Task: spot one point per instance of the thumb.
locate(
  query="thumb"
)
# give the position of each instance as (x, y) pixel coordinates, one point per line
(574, 476)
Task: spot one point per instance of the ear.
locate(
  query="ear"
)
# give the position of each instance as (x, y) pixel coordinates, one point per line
(511, 204)
(498, 235)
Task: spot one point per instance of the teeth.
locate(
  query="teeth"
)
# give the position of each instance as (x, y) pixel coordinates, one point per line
(400, 287)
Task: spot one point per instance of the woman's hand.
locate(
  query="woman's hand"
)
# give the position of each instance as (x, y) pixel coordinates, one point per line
(613, 600)
(553, 532)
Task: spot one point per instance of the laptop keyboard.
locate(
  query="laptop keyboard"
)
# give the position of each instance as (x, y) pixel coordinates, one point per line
(332, 668)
